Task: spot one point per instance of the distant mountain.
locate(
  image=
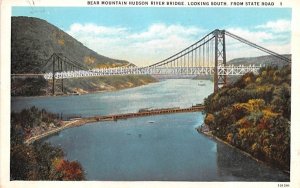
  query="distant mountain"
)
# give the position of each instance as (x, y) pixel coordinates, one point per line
(260, 60)
(34, 40)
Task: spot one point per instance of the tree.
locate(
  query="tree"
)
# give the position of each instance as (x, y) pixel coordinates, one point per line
(254, 114)
(65, 170)
(35, 161)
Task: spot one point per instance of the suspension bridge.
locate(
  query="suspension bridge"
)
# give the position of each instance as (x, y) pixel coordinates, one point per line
(205, 57)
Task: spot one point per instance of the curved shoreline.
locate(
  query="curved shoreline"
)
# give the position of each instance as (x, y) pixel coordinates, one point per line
(47, 133)
(80, 122)
(68, 124)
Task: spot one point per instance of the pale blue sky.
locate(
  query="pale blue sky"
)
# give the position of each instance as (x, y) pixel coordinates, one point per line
(130, 30)
(139, 18)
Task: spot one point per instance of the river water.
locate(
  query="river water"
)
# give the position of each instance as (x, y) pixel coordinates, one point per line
(154, 148)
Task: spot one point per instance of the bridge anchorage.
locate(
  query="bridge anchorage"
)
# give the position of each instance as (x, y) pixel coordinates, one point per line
(205, 57)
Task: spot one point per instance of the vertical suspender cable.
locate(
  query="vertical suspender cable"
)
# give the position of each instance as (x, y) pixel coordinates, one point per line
(196, 57)
(192, 56)
(203, 54)
(188, 59)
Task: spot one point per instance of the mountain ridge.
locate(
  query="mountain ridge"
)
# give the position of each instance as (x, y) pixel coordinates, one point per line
(34, 40)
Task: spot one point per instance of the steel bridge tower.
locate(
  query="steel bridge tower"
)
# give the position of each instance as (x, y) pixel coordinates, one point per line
(57, 84)
(220, 59)
(58, 63)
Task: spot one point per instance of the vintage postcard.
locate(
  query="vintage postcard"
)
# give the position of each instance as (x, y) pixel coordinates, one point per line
(149, 93)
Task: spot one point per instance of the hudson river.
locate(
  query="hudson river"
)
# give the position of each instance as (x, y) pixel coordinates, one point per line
(165, 147)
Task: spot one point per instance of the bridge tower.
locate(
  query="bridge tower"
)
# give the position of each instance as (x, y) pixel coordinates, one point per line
(57, 84)
(220, 59)
(60, 64)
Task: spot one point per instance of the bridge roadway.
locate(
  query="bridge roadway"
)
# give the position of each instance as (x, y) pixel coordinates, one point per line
(222, 70)
(82, 121)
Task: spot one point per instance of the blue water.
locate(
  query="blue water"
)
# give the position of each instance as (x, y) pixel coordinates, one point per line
(165, 147)
(168, 93)
(138, 150)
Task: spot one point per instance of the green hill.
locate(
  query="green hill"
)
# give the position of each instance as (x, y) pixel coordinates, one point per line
(34, 40)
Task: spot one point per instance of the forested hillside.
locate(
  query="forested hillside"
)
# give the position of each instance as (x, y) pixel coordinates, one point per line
(33, 41)
(38, 161)
(253, 114)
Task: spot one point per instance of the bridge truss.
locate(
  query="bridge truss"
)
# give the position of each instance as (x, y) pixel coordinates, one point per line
(205, 57)
(222, 71)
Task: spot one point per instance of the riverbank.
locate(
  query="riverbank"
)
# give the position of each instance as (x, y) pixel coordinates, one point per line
(65, 125)
(50, 132)
(80, 86)
(203, 129)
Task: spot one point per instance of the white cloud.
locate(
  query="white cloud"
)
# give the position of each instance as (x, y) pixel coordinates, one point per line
(236, 50)
(277, 26)
(160, 30)
(253, 36)
(155, 43)
(274, 42)
(160, 40)
(94, 29)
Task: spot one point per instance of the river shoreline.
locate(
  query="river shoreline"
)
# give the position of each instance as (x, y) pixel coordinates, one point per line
(215, 138)
(87, 92)
(50, 132)
(80, 122)
(200, 130)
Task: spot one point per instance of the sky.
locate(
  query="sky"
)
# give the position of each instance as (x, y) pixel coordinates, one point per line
(146, 35)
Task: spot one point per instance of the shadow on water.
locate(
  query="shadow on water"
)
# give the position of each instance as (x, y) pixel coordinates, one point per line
(232, 163)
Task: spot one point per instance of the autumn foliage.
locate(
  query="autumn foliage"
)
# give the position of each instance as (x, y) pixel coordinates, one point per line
(253, 114)
(66, 170)
(38, 161)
